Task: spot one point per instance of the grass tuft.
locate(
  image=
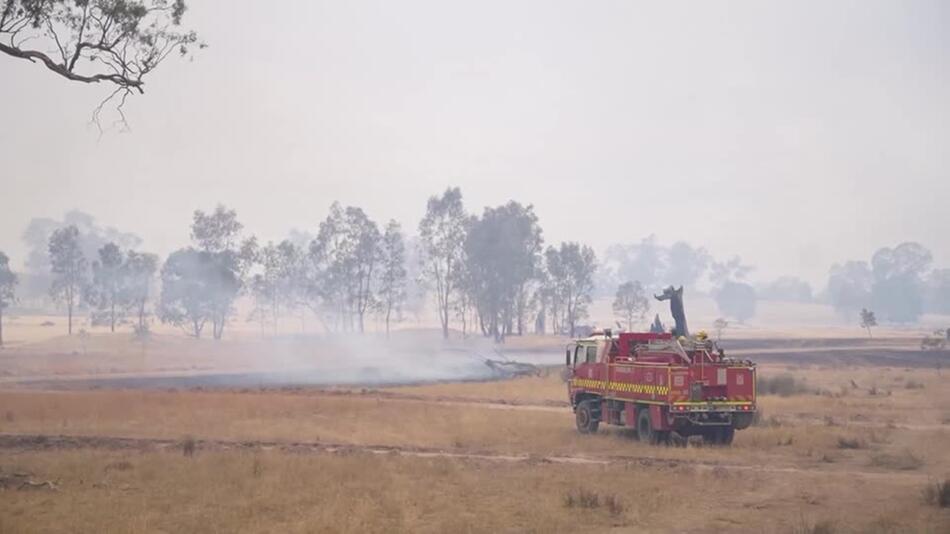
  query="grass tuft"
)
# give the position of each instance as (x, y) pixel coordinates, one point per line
(587, 499)
(188, 446)
(783, 385)
(938, 494)
(851, 443)
(903, 461)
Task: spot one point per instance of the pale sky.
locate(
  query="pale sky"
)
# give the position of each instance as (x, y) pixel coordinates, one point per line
(796, 134)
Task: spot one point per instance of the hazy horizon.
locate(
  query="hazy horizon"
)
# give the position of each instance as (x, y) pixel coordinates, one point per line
(794, 135)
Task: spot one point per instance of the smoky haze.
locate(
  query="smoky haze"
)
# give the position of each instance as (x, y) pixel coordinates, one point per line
(796, 135)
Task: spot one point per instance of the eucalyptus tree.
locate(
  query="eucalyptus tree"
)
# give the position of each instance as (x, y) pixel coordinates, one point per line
(115, 42)
(393, 274)
(442, 238)
(69, 269)
(8, 282)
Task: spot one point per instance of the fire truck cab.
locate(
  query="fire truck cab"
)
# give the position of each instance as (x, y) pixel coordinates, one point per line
(659, 385)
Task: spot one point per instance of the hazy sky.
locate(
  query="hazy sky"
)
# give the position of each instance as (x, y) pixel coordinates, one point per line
(795, 134)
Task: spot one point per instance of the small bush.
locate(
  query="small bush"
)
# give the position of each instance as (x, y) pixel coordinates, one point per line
(783, 385)
(122, 465)
(904, 461)
(582, 499)
(759, 419)
(912, 384)
(819, 527)
(188, 446)
(938, 494)
(851, 443)
(614, 506)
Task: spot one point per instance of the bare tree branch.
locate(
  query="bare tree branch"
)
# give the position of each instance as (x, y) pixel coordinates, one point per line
(93, 41)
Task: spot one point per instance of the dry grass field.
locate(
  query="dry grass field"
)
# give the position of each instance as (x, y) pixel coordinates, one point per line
(839, 447)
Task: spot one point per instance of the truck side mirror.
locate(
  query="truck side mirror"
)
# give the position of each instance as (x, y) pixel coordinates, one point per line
(567, 358)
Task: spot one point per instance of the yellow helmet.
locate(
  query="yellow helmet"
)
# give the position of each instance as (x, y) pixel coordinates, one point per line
(702, 335)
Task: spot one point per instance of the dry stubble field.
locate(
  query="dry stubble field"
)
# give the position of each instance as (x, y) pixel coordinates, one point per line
(844, 448)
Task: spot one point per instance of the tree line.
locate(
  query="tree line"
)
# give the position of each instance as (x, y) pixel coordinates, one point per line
(489, 273)
(899, 284)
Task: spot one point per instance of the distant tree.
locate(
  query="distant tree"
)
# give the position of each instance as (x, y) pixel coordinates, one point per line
(720, 324)
(645, 261)
(198, 287)
(37, 277)
(216, 232)
(736, 299)
(8, 282)
(657, 326)
(344, 259)
(849, 287)
(787, 289)
(938, 291)
(68, 266)
(218, 235)
(392, 279)
(730, 270)
(652, 264)
(571, 268)
(140, 269)
(107, 292)
(276, 286)
(631, 303)
(868, 320)
(502, 255)
(442, 237)
(898, 286)
(686, 264)
(118, 42)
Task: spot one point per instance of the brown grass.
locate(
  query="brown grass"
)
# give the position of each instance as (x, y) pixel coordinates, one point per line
(799, 465)
(260, 491)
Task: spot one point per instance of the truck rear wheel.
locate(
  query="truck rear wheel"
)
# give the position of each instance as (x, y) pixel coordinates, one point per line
(645, 430)
(587, 422)
(721, 435)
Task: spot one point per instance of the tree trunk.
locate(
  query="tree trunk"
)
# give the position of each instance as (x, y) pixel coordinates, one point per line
(389, 309)
(112, 316)
(1, 324)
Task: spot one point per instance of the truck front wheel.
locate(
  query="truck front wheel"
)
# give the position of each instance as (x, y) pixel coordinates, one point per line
(587, 422)
(645, 431)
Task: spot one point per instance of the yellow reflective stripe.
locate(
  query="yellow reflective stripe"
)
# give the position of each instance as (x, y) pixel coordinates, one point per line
(713, 403)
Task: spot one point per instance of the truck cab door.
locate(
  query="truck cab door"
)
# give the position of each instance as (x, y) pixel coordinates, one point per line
(586, 364)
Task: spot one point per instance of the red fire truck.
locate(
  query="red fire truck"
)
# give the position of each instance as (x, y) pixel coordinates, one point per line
(658, 385)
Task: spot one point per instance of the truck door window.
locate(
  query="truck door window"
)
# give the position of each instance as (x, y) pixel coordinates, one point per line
(578, 355)
(592, 354)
